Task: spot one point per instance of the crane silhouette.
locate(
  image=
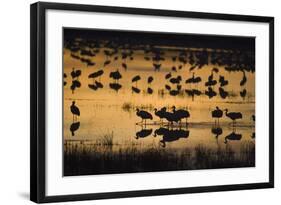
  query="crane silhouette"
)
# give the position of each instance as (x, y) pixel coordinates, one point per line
(115, 75)
(233, 116)
(244, 79)
(149, 90)
(222, 81)
(210, 92)
(149, 79)
(223, 93)
(167, 76)
(144, 115)
(94, 75)
(176, 80)
(160, 113)
(217, 114)
(136, 79)
(74, 110)
(181, 114)
(243, 93)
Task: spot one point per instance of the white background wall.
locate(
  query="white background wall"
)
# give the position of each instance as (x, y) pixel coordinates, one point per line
(14, 100)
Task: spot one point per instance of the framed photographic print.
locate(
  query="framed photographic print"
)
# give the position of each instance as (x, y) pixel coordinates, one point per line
(129, 102)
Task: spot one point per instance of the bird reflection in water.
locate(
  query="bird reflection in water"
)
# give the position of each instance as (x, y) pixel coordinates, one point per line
(232, 137)
(170, 135)
(115, 86)
(143, 133)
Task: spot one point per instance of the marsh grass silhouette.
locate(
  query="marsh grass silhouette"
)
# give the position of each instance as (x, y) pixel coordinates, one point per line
(99, 158)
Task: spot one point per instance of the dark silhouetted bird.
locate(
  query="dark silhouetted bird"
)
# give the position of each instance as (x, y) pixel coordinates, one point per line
(210, 92)
(135, 90)
(167, 76)
(181, 114)
(74, 110)
(176, 80)
(168, 87)
(244, 79)
(243, 93)
(144, 115)
(96, 74)
(222, 81)
(116, 75)
(217, 114)
(233, 116)
(136, 79)
(223, 93)
(149, 79)
(149, 90)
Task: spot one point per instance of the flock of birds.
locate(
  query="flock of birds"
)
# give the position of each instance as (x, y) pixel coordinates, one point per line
(173, 85)
(169, 134)
(176, 116)
(118, 55)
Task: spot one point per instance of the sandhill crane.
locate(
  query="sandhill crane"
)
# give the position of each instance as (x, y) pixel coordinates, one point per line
(193, 93)
(244, 79)
(124, 65)
(171, 117)
(93, 86)
(149, 79)
(116, 75)
(93, 75)
(176, 80)
(75, 73)
(167, 76)
(254, 118)
(223, 93)
(222, 81)
(74, 110)
(107, 62)
(243, 93)
(99, 84)
(136, 79)
(149, 90)
(210, 92)
(181, 114)
(160, 113)
(135, 90)
(233, 116)
(156, 66)
(143, 115)
(64, 76)
(217, 114)
(168, 87)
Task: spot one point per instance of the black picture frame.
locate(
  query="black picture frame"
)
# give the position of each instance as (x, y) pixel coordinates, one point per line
(38, 103)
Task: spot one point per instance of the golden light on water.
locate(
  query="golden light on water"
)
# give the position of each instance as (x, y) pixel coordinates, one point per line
(107, 112)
